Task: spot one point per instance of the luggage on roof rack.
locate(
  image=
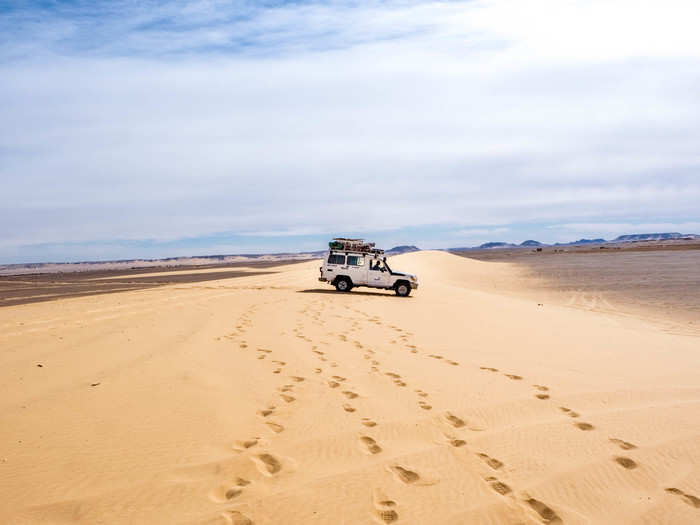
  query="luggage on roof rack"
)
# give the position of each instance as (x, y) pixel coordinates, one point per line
(353, 245)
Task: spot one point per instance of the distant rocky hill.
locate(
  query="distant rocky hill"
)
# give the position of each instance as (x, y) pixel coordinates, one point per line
(530, 242)
(655, 237)
(581, 241)
(396, 250)
(490, 245)
(637, 237)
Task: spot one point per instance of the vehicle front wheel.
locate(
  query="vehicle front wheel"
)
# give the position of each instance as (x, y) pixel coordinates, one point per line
(343, 285)
(403, 289)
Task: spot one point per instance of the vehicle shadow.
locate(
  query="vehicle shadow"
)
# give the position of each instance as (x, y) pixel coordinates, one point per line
(375, 294)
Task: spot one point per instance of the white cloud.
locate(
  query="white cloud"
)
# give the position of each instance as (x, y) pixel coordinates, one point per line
(621, 228)
(481, 232)
(318, 118)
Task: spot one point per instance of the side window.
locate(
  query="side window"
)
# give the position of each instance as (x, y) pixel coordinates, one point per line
(335, 258)
(356, 260)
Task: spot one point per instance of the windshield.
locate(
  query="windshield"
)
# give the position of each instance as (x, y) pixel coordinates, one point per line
(379, 266)
(376, 266)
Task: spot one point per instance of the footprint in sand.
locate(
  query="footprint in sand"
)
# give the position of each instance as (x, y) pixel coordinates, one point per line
(584, 426)
(384, 508)
(276, 370)
(453, 363)
(286, 388)
(229, 492)
(434, 356)
(348, 408)
(424, 405)
(628, 463)
(266, 412)
(287, 398)
(498, 486)
(349, 394)
(267, 464)
(298, 379)
(542, 396)
(404, 475)
(624, 445)
(488, 368)
(368, 422)
(491, 462)
(398, 382)
(545, 512)
(691, 500)
(237, 518)
(333, 384)
(454, 420)
(514, 377)
(455, 442)
(569, 412)
(421, 393)
(541, 388)
(370, 445)
(244, 444)
(275, 427)
(393, 374)
(339, 378)
(318, 370)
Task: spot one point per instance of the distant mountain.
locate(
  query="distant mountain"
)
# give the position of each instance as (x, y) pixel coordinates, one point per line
(491, 245)
(530, 243)
(396, 250)
(581, 241)
(655, 237)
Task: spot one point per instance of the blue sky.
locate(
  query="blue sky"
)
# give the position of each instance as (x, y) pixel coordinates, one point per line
(155, 129)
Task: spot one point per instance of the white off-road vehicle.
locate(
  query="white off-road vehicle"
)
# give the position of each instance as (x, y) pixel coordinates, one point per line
(353, 262)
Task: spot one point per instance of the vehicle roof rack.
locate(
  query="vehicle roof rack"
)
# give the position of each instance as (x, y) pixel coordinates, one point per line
(353, 245)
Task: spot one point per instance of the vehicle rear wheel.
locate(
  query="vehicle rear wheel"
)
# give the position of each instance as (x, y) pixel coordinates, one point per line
(343, 284)
(403, 289)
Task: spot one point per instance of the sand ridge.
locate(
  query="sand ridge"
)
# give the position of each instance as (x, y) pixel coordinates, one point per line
(273, 399)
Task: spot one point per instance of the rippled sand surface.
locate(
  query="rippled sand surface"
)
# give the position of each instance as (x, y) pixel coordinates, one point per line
(270, 398)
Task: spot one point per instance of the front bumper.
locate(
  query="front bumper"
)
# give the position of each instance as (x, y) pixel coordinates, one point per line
(414, 286)
(322, 279)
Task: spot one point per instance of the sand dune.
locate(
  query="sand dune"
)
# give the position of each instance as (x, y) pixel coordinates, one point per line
(271, 399)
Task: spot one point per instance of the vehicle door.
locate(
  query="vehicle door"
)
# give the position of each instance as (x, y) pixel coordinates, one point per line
(335, 265)
(357, 269)
(377, 274)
